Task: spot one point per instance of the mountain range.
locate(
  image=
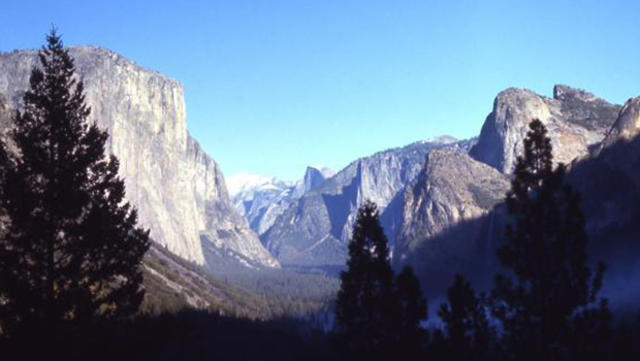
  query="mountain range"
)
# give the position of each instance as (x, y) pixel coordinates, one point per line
(440, 199)
(315, 230)
(261, 199)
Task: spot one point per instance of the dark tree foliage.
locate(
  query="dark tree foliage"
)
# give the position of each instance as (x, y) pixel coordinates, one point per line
(183, 336)
(467, 331)
(546, 298)
(364, 306)
(412, 308)
(70, 248)
(376, 313)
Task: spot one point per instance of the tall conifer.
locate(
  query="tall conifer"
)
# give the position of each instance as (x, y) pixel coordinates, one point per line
(468, 333)
(549, 284)
(71, 249)
(378, 314)
(364, 305)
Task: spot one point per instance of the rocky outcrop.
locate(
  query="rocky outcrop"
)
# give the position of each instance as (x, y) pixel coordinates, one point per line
(314, 176)
(627, 126)
(178, 189)
(609, 179)
(576, 121)
(315, 230)
(451, 188)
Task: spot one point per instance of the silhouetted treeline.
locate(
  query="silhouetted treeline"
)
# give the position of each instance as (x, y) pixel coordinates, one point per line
(186, 335)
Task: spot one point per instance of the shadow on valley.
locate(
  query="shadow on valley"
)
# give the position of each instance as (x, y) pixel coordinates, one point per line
(465, 248)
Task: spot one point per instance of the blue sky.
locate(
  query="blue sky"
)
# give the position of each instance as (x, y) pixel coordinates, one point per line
(272, 86)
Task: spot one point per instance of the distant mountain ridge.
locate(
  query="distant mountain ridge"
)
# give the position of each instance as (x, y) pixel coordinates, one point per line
(262, 199)
(419, 199)
(314, 231)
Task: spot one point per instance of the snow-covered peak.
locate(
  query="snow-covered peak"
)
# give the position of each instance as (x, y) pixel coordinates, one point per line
(262, 199)
(245, 182)
(441, 139)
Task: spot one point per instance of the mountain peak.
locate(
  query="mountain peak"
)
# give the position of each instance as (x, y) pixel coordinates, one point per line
(565, 92)
(243, 182)
(442, 139)
(627, 124)
(575, 120)
(314, 176)
(325, 171)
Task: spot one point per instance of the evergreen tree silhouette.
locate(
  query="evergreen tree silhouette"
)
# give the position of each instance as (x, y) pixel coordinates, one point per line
(70, 250)
(412, 308)
(550, 285)
(378, 314)
(365, 306)
(467, 330)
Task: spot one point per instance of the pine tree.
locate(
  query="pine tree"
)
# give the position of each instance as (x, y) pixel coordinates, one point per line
(365, 306)
(71, 248)
(378, 314)
(412, 308)
(466, 327)
(545, 250)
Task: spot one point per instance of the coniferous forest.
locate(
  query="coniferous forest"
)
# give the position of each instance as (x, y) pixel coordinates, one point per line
(77, 269)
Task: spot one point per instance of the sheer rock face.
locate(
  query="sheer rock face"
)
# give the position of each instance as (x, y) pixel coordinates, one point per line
(314, 176)
(576, 120)
(451, 188)
(178, 189)
(627, 126)
(315, 230)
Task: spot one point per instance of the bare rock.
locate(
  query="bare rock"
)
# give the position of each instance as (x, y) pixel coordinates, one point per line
(576, 121)
(451, 188)
(179, 191)
(627, 126)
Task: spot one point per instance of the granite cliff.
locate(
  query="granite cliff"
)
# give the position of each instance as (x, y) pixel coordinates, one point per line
(455, 188)
(626, 126)
(179, 190)
(576, 121)
(454, 217)
(451, 188)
